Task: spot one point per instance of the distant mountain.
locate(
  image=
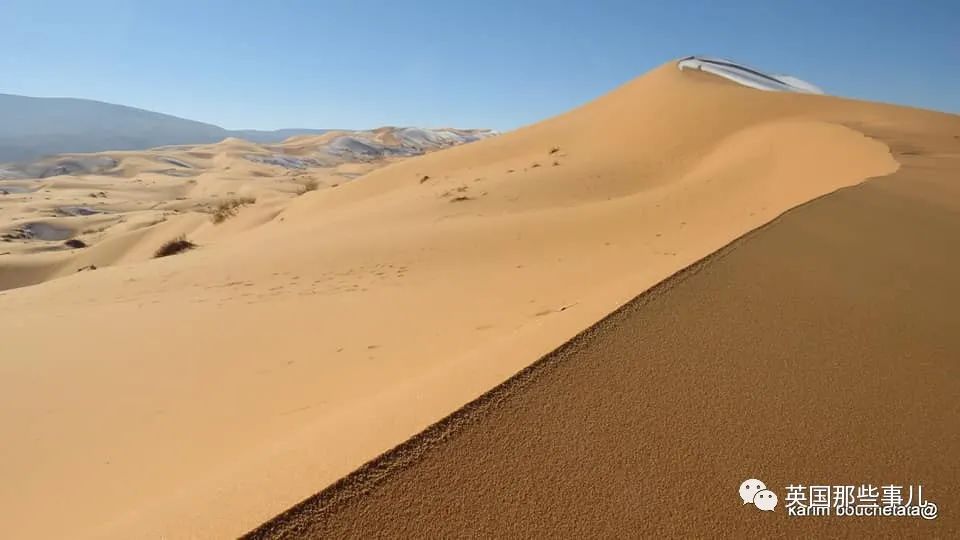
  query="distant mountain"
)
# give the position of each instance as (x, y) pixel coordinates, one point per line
(33, 127)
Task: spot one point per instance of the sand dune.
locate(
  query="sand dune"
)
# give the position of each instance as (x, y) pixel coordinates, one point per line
(818, 350)
(65, 213)
(201, 394)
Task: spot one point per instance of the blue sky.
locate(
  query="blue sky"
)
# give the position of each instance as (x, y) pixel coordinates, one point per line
(492, 63)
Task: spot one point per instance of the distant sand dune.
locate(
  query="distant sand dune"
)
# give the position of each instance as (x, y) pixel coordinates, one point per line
(218, 387)
(115, 196)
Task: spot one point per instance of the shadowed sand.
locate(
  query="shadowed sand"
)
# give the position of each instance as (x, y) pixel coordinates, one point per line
(821, 349)
(199, 395)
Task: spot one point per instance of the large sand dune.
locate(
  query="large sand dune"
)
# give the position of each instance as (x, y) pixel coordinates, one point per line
(200, 394)
(819, 350)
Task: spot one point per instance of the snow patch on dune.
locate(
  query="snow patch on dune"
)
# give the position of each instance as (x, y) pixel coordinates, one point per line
(748, 76)
(175, 162)
(360, 148)
(37, 231)
(410, 141)
(72, 165)
(426, 139)
(287, 162)
(365, 146)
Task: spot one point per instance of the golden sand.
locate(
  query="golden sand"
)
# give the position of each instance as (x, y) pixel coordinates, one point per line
(202, 394)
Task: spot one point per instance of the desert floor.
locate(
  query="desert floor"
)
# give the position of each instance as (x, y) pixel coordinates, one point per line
(201, 394)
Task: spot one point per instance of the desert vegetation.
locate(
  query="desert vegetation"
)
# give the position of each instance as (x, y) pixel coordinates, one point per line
(175, 246)
(229, 208)
(308, 185)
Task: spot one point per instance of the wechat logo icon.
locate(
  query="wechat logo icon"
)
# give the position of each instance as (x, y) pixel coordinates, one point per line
(755, 492)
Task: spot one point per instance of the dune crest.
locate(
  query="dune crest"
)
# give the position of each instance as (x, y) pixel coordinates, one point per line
(286, 356)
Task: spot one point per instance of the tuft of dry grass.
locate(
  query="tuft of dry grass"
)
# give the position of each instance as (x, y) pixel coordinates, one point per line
(229, 208)
(172, 247)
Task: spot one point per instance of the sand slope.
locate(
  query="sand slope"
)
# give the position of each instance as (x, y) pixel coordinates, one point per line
(820, 350)
(199, 395)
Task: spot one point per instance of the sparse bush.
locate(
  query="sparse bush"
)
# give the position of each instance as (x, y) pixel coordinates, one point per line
(229, 208)
(75, 243)
(172, 247)
(309, 185)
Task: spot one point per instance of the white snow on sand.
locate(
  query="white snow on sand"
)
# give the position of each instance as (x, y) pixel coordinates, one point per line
(748, 76)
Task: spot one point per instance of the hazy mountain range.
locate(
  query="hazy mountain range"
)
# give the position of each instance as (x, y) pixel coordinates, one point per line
(32, 127)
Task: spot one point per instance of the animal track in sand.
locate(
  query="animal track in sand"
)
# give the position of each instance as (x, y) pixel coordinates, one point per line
(557, 310)
(346, 281)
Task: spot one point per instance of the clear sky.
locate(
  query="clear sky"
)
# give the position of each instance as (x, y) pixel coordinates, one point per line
(482, 63)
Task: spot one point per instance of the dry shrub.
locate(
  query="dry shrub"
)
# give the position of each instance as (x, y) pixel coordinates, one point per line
(229, 208)
(309, 185)
(172, 247)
